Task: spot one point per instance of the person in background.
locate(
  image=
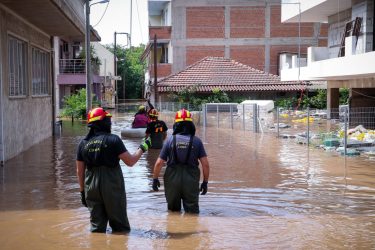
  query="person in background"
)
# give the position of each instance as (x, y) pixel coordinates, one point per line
(156, 129)
(100, 178)
(183, 151)
(140, 118)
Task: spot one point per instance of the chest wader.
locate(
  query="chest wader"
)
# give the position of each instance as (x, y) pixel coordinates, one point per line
(181, 182)
(106, 198)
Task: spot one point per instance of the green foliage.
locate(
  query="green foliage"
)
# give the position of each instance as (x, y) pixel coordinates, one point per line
(94, 58)
(189, 95)
(344, 96)
(131, 70)
(75, 105)
(319, 100)
(287, 103)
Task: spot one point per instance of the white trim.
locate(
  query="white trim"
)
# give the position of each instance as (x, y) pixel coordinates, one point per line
(23, 20)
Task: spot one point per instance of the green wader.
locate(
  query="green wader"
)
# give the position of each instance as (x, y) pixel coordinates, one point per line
(181, 182)
(106, 199)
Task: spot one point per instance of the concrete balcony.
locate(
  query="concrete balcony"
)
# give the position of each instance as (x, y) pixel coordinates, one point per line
(73, 71)
(164, 70)
(162, 32)
(320, 67)
(311, 10)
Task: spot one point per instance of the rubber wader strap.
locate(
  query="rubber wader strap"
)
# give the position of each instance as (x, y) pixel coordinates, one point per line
(175, 151)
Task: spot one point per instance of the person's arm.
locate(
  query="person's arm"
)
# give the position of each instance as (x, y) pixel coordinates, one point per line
(81, 174)
(205, 168)
(157, 167)
(131, 159)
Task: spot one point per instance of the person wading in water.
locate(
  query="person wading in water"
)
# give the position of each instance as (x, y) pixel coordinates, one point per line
(156, 129)
(181, 179)
(99, 174)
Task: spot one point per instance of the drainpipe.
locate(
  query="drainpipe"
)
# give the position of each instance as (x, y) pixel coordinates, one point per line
(53, 81)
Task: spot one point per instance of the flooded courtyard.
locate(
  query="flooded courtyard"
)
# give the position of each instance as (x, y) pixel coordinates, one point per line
(263, 193)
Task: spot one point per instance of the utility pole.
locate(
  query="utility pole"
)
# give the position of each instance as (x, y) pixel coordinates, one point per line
(155, 70)
(115, 60)
(88, 57)
(131, 26)
(115, 65)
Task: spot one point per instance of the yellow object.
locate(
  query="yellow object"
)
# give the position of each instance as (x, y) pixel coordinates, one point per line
(341, 133)
(360, 136)
(304, 120)
(284, 115)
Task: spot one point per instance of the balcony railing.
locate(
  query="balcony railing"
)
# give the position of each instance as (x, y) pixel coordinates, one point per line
(76, 66)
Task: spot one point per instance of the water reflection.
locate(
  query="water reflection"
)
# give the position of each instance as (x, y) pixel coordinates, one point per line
(263, 193)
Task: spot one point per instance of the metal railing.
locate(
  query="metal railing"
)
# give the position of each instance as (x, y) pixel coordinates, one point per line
(76, 66)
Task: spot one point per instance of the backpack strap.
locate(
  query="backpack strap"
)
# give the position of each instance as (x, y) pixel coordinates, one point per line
(189, 149)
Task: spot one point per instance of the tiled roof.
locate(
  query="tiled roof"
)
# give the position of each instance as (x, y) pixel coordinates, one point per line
(228, 75)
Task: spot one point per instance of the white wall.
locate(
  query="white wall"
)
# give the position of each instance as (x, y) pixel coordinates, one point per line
(106, 58)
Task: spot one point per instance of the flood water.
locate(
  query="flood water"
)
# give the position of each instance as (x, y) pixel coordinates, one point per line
(263, 193)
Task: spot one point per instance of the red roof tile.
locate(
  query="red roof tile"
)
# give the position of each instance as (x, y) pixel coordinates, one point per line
(227, 75)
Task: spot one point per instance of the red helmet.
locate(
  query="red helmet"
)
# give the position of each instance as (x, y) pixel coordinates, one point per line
(97, 114)
(183, 115)
(153, 113)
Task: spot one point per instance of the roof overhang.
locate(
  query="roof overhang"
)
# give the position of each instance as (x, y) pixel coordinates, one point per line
(155, 7)
(312, 11)
(54, 17)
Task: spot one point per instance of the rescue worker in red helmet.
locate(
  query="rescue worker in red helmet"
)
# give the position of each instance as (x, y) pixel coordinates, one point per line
(182, 152)
(156, 129)
(99, 174)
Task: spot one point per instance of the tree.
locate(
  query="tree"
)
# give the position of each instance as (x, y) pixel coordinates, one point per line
(131, 70)
(75, 105)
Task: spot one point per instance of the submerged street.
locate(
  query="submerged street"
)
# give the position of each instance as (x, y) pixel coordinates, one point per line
(263, 193)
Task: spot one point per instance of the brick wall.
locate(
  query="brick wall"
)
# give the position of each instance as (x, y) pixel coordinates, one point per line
(205, 22)
(249, 55)
(161, 32)
(196, 53)
(279, 29)
(247, 22)
(163, 69)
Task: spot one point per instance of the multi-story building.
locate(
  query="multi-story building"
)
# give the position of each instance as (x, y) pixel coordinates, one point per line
(27, 97)
(348, 60)
(70, 70)
(247, 31)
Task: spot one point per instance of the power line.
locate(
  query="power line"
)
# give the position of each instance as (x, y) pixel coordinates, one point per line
(102, 15)
(139, 21)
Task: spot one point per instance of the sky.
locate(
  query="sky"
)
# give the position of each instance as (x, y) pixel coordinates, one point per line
(117, 18)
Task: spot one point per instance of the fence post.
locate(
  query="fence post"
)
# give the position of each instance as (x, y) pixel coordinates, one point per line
(217, 114)
(345, 131)
(205, 115)
(243, 116)
(308, 127)
(278, 121)
(188, 106)
(255, 118)
(231, 116)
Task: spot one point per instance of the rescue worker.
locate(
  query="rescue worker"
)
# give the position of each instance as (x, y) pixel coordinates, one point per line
(99, 174)
(181, 178)
(140, 118)
(156, 130)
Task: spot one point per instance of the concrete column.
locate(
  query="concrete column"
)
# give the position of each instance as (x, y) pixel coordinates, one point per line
(333, 101)
(267, 35)
(227, 31)
(56, 56)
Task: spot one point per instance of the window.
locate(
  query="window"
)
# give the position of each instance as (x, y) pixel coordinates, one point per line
(17, 57)
(40, 72)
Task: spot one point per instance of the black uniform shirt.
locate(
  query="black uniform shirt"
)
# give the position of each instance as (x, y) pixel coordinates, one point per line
(102, 149)
(156, 129)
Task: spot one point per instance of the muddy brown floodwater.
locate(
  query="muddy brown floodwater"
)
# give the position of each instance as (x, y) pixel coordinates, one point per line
(263, 193)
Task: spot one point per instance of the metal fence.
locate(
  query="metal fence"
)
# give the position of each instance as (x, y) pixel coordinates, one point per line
(348, 131)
